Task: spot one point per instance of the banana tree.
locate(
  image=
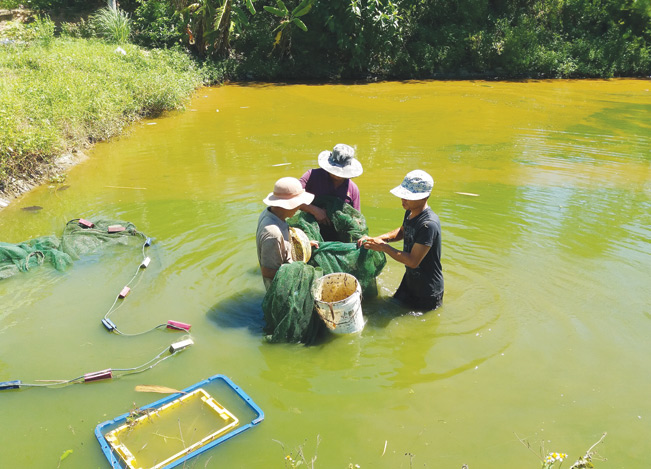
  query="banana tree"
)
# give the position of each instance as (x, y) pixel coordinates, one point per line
(209, 23)
(288, 19)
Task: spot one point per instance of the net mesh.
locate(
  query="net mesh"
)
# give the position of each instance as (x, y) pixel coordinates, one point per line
(75, 242)
(289, 305)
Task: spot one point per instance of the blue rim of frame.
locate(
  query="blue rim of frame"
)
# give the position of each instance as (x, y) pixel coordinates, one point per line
(115, 460)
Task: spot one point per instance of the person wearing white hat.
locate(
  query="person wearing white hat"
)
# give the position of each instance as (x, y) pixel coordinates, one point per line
(333, 178)
(273, 241)
(422, 284)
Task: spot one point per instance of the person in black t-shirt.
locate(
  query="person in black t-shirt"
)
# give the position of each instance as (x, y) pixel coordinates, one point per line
(422, 284)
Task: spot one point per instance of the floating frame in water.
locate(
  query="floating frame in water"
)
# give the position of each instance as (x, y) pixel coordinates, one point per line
(121, 438)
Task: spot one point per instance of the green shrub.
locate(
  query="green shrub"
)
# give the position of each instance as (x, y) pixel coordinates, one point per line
(81, 29)
(156, 24)
(41, 29)
(10, 4)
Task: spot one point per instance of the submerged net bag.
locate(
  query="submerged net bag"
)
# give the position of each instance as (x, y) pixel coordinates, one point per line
(22, 257)
(288, 305)
(77, 240)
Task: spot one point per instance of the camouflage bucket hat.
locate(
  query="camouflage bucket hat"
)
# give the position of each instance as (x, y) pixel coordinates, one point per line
(417, 185)
(341, 161)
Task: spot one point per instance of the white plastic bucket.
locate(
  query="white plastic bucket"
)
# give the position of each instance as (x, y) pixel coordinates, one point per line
(338, 299)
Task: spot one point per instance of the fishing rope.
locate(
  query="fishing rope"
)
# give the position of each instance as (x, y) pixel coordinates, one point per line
(89, 228)
(109, 373)
(110, 325)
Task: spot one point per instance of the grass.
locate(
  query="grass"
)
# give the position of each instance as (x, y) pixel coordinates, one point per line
(57, 95)
(113, 24)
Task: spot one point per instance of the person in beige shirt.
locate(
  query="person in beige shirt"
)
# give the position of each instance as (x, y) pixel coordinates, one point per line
(272, 237)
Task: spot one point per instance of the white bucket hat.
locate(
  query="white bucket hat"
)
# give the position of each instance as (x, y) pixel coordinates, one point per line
(417, 185)
(341, 161)
(288, 194)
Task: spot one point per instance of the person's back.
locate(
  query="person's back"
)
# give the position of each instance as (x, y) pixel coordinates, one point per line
(272, 240)
(272, 243)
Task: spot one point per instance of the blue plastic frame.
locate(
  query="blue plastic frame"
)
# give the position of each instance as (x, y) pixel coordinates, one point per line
(115, 461)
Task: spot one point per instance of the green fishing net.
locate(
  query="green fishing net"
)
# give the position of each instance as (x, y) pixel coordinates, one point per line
(76, 241)
(288, 306)
(363, 264)
(348, 223)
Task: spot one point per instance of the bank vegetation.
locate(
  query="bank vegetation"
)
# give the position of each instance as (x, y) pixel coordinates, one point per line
(58, 95)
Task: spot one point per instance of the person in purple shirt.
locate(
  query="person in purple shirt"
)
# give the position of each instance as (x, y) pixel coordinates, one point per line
(333, 178)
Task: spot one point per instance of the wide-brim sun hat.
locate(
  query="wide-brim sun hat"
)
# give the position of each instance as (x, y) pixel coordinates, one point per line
(341, 161)
(288, 194)
(416, 185)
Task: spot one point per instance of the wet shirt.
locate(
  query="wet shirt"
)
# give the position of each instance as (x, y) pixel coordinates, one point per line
(318, 182)
(422, 286)
(273, 242)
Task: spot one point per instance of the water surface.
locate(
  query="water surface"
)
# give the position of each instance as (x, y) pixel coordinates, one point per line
(544, 331)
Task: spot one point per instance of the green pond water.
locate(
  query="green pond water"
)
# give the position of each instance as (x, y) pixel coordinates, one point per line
(546, 323)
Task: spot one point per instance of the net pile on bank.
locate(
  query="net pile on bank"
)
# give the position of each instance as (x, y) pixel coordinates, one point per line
(289, 305)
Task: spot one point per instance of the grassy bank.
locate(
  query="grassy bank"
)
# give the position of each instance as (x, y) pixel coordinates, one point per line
(58, 95)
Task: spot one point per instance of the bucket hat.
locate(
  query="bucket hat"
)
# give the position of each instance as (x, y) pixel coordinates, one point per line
(341, 161)
(416, 185)
(288, 194)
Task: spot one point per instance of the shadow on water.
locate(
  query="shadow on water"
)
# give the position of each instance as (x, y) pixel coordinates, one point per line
(242, 310)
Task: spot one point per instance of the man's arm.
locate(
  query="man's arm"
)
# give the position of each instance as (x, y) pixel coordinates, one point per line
(391, 236)
(271, 257)
(381, 243)
(353, 194)
(410, 259)
(268, 273)
(318, 213)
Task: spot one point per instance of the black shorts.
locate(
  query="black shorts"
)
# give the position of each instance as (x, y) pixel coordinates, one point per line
(428, 303)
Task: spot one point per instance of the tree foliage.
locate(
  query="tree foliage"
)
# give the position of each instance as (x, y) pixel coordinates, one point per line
(338, 39)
